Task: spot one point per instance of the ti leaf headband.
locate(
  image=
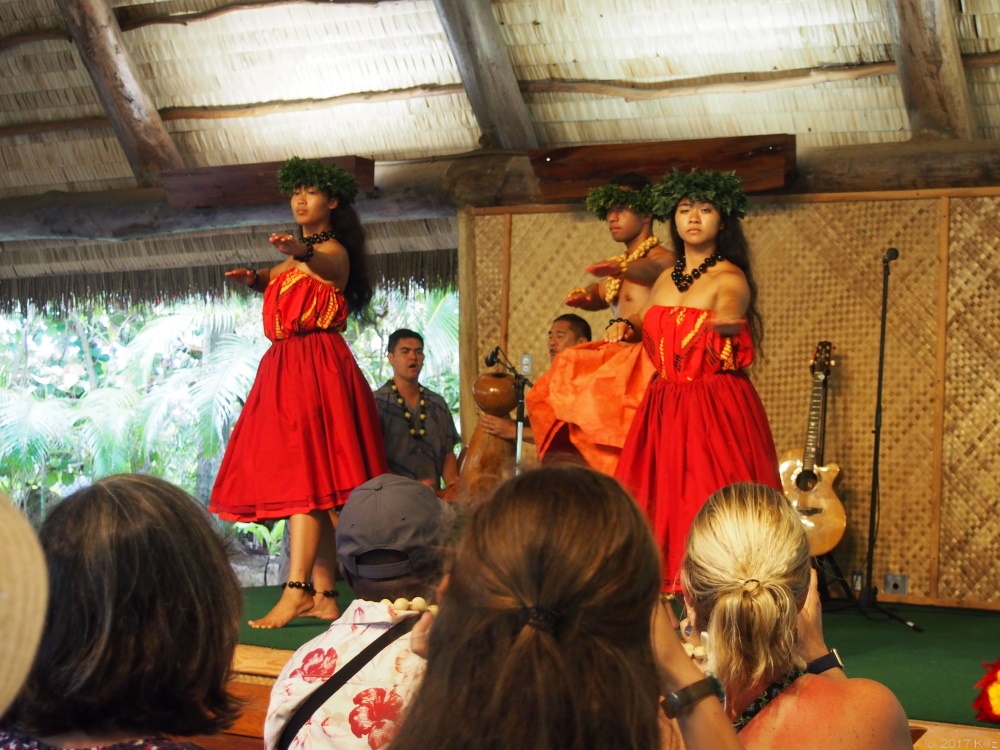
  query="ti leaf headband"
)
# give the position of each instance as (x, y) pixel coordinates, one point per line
(722, 189)
(602, 199)
(331, 179)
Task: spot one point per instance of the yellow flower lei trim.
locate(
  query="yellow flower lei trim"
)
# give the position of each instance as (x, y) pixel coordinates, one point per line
(614, 283)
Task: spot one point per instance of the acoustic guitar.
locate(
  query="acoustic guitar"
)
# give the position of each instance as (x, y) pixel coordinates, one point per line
(806, 481)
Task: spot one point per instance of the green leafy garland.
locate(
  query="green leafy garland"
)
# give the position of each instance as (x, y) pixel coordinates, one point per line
(722, 189)
(332, 179)
(600, 200)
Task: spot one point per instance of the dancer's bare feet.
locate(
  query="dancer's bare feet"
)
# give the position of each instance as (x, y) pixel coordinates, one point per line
(324, 607)
(293, 603)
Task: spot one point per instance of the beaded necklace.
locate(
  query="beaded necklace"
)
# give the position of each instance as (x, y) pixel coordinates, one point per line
(417, 432)
(683, 281)
(614, 283)
(315, 239)
(770, 693)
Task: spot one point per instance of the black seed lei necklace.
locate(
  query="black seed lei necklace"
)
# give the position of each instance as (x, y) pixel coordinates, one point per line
(422, 415)
(683, 281)
(315, 239)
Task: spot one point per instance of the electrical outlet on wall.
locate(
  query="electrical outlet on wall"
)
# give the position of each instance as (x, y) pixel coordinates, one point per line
(525, 364)
(896, 583)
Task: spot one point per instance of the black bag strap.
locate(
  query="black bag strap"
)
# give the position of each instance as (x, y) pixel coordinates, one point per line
(319, 696)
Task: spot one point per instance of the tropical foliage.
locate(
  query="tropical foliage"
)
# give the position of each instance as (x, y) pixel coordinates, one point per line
(104, 389)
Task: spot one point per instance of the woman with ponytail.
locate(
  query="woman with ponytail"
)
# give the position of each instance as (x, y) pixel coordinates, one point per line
(543, 640)
(746, 577)
(309, 431)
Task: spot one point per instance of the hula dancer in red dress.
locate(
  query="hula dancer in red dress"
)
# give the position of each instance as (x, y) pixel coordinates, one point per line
(701, 425)
(309, 431)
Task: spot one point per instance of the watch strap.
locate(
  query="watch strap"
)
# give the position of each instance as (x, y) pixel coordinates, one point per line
(676, 703)
(828, 661)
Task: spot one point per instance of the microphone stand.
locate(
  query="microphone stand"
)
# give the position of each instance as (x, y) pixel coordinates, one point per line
(868, 599)
(499, 357)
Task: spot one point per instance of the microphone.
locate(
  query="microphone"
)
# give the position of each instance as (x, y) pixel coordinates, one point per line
(491, 358)
(890, 255)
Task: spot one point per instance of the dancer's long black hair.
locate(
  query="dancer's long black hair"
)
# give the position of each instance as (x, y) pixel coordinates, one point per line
(350, 233)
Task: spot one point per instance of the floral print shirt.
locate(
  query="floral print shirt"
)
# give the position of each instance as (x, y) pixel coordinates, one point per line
(366, 712)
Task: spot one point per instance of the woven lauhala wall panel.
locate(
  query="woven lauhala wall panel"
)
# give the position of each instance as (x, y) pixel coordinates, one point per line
(489, 282)
(820, 274)
(970, 507)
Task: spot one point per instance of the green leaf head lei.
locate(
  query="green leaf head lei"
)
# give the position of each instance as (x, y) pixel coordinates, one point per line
(722, 189)
(601, 200)
(332, 179)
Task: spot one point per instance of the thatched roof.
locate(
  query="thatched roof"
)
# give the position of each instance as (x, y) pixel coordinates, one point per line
(406, 80)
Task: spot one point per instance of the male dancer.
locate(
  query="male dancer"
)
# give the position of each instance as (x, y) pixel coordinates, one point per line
(585, 402)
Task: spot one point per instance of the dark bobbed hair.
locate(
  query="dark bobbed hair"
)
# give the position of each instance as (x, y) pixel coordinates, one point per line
(733, 246)
(143, 616)
(579, 326)
(571, 541)
(398, 335)
(347, 227)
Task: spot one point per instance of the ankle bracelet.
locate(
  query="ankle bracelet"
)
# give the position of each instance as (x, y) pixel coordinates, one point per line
(301, 585)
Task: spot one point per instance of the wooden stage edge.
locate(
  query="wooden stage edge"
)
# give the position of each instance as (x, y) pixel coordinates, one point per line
(256, 667)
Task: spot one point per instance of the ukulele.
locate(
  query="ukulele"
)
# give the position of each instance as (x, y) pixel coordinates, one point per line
(806, 482)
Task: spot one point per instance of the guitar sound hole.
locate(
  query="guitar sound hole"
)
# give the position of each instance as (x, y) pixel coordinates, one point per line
(806, 480)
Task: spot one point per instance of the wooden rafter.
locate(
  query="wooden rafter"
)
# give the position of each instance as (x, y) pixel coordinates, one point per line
(931, 73)
(487, 73)
(120, 87)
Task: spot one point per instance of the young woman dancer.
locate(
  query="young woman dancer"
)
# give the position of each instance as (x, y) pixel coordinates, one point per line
(701, 424)
(309, 431)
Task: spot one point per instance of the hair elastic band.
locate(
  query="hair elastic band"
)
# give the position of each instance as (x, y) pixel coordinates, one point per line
(541, 618)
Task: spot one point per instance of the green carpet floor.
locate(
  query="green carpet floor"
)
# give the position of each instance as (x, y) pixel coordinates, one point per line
(932, 673)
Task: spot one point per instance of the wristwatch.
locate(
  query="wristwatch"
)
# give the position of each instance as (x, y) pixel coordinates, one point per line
(831, 660)
(674, 704)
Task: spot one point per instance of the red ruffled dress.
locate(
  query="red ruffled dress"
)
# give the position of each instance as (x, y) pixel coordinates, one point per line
(700, 427)
(309, 431)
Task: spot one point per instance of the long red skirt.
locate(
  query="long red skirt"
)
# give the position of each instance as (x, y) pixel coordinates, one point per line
(308, 434)
(688, 440)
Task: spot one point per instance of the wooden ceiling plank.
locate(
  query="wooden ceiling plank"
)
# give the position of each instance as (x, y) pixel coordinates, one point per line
(931, 72)
(764, 162)
(487, 73)
(246, 184)
(121, 89)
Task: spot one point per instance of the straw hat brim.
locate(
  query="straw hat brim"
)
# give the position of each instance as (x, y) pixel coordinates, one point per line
(24, 590)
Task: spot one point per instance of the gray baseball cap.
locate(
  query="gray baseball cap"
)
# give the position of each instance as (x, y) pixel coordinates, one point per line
(391, 512)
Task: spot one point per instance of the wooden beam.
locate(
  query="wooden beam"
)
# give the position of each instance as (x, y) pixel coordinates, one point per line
(931, 73)
(246, 184)
(129, 107)
(763, 162)
(484, 65)
(435, 188)
(404, 191)
(913, 165)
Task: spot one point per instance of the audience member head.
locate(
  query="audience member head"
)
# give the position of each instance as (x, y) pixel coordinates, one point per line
(142, 619)
(543, 638)
(391, 538)
(23, 592)
(406, 355)
(745, 576)
(566, 331)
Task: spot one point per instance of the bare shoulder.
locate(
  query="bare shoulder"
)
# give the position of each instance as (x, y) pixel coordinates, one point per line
(330, 247)
(820, 712)
(662, 255)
